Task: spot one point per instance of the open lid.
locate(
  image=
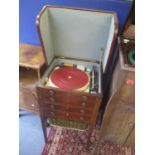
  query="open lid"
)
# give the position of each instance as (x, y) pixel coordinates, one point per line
(77, 33)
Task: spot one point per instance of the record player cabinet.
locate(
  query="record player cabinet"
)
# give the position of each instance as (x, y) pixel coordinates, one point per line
(77, 36)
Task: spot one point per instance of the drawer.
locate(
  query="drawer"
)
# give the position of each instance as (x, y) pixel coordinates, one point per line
(49, 95)
(82, 104)
(79, 97)
(29, 106)
(57, 107)
(79, 118)
(74, 99)
(57, 114)
(50, 101)
(87, 101)
(73, 105)
(46, 93)
(70, 105)
(79, 110)
(69, 116)
(28, 100)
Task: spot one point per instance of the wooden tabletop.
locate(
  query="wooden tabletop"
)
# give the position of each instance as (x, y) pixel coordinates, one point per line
(31, 56)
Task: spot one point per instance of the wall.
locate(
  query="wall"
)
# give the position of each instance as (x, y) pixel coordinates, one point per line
(28, 10)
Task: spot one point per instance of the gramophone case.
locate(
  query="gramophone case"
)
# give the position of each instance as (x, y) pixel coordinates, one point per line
(74, 36)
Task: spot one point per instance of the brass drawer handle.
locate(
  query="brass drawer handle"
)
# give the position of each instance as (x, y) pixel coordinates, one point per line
(85, 98)
(82, 111)
(83, 104)
(52, 113)
(67, 108)
(67, 114)
(81, 118)
(52, 106)
(51, 92)
(52, 99)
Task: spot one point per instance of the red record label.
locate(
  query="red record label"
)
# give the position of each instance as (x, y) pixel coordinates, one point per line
(69, 78)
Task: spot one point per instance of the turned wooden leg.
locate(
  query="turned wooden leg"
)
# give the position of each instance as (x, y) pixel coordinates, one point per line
(43, 123)
(89, 135)
(98, 142)
(101, 134)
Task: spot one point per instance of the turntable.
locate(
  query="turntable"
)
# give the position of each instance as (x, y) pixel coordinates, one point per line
(77, 45)
(69, 78)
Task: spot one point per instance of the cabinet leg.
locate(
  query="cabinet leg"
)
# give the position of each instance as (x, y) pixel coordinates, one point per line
(43, 123)
(98, 142)
(102, 132)
(89, 135)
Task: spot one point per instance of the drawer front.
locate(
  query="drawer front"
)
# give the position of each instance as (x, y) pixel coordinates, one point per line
(79, 118)
(74, 106)
(50, 96)
(74, 114)
(28, 100)
(81, 110)
(73, 99)
(51, 107)
(54, 99)
(70, 116)
(82, 104)
(84, 101)
(45, 103)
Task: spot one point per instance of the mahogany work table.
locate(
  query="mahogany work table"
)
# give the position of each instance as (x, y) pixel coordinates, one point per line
(31, 64)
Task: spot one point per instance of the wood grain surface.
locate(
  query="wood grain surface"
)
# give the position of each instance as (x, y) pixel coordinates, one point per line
(118, 122)
(30, 56)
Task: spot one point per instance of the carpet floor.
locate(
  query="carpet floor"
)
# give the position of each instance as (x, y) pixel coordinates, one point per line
(70, 142)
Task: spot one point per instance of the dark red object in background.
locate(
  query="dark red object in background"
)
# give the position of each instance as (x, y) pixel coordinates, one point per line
(130, 82)
(69, 78)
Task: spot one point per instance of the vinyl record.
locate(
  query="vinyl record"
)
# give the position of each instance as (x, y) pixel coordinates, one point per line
(69, 78)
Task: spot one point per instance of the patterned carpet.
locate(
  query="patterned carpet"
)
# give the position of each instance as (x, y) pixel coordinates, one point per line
(71, 142)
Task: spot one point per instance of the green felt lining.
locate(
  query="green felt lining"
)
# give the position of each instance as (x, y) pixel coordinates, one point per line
(67, 123)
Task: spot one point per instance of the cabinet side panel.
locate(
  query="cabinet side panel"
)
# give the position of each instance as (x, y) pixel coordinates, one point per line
(131, 139)
(120, 124)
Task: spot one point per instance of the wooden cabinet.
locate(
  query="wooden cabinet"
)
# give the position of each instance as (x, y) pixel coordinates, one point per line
(73, 106)
(71, 42)
(131, 138)
(31, 63)
(118, 124)
(28, 99)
